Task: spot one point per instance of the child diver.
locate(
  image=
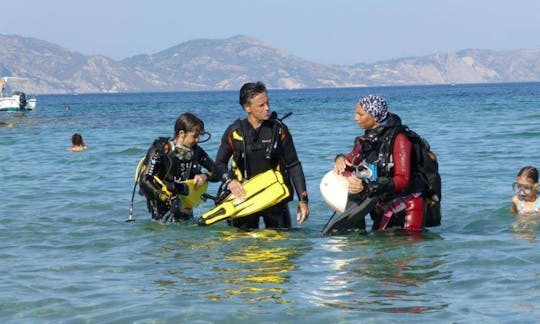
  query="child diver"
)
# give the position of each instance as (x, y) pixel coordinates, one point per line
(526, 200)
(170, 162)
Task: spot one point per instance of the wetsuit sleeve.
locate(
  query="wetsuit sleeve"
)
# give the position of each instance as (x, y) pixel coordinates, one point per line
(225, 151)
(402, 162)
(208, 164)
(148, 184)
(354, 156)
(293, 165)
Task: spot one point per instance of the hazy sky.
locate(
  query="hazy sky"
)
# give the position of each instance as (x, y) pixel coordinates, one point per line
(329, 31)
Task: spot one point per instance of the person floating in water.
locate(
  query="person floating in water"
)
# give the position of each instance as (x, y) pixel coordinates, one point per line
(4, 124)
(170, 162)
(526, 200)
(77, 143)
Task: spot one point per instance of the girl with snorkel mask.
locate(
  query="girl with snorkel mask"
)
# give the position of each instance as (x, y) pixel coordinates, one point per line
(526, 200)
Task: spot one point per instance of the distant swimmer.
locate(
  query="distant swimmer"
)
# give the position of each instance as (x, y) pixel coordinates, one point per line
(526, 200)
(68, 108)
(77, 143)
(4, 124)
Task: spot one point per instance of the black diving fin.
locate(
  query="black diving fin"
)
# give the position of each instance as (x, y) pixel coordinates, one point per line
(353, 218)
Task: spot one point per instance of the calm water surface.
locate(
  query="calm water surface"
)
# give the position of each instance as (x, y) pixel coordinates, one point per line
(68, 256)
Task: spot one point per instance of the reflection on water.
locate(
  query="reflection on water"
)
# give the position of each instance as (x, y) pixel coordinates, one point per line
(252, 265)
(525, 226)
(382, 273)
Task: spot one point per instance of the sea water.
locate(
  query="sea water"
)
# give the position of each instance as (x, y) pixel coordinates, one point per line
(68, 255)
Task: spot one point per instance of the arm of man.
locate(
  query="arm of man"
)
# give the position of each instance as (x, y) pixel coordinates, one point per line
(294, 167)
(225, 151)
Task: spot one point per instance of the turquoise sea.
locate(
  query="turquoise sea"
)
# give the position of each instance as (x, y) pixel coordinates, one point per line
(68, 256)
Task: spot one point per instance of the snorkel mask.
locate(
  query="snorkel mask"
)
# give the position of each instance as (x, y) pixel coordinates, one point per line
(186, 153)
(182, 152)
(524, 190)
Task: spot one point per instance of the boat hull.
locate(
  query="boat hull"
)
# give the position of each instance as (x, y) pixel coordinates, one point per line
(13, 104)
(17, 100)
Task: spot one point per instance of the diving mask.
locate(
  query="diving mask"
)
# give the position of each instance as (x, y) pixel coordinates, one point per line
(182, 152)
(524, 188)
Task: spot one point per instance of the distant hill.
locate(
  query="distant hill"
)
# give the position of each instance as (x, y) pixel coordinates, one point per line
(220, 64)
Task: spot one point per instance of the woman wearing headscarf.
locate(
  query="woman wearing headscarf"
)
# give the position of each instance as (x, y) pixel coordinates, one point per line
(386, 152)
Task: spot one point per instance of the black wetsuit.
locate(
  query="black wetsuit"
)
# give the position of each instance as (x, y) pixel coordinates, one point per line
(261, 156)
(172, 166)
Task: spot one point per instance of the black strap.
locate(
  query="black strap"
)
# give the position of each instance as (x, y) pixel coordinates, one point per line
(245, 150)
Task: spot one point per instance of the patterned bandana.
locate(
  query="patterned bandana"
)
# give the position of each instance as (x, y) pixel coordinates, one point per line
(375, 106)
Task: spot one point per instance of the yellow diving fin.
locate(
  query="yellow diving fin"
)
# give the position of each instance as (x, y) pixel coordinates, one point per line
(194, 198)
(262, 191)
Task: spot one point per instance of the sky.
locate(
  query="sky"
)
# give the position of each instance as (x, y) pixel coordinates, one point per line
(330, 32)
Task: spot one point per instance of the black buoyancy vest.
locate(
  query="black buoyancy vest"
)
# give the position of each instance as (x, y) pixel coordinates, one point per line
(374, 151)
(172, 168)
(255, 150)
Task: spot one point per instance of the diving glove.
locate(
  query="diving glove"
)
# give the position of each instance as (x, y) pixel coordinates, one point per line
(380, 186)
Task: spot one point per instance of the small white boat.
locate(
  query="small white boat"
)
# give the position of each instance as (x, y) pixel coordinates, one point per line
(13, 99)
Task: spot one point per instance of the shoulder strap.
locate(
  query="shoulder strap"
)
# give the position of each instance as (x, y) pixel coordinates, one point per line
(277, 131)
(387, 144)
(238, 133)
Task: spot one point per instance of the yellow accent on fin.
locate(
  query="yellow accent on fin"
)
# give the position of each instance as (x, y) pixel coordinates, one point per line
(262, 191)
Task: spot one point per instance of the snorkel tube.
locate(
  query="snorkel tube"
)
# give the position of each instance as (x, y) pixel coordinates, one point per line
(137, 177)
(206, 139)
(275, 134)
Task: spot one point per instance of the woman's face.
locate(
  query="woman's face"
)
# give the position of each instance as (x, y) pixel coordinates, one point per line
(363, 119)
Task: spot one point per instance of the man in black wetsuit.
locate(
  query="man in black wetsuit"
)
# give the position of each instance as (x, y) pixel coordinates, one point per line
(259, 143)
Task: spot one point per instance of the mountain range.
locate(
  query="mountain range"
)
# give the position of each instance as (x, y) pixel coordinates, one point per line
(225, 64)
